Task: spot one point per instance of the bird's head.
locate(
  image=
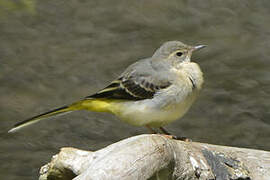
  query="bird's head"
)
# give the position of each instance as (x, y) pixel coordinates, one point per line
(175, 52)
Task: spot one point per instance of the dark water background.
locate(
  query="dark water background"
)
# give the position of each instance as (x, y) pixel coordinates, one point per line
(55, 52)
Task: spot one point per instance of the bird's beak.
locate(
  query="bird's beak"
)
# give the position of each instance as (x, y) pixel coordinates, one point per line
(198, 47)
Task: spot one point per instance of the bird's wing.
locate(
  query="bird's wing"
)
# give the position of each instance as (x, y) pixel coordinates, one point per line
(134, 84)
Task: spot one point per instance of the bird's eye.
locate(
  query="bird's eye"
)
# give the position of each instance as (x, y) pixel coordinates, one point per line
(179, 54)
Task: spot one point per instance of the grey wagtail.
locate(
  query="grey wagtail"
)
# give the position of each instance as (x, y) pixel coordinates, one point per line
(152, 92)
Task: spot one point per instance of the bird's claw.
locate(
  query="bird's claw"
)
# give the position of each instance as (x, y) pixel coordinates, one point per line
(177, 138)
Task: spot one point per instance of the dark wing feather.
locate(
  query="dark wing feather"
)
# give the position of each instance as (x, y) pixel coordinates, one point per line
(139, 81)
(131, 88)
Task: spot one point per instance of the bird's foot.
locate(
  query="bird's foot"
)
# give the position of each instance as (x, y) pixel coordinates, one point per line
(166, 133)
(176, 137)
(181, 138)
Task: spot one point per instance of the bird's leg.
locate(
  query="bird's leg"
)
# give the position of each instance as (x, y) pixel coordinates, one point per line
(150, 129)
(164, 131)
(173, 136)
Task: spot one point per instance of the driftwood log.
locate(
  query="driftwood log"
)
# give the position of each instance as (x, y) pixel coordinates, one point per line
(158, 157)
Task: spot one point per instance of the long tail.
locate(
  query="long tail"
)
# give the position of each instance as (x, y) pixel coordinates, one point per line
(98, 105)
(55, 112)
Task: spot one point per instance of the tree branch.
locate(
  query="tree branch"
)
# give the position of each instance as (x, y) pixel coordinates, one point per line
(158, 157)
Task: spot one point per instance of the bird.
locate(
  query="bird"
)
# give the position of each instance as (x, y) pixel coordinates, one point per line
(151, 92)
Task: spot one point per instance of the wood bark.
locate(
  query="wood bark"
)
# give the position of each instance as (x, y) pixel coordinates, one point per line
(159, 157)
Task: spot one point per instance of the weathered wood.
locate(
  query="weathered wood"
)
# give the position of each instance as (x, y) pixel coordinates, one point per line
(158, 157)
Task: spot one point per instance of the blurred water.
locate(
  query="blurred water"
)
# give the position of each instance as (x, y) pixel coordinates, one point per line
(55, 52)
